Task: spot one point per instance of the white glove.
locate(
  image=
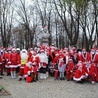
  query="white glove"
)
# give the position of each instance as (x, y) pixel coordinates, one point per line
(29, 72)
(86, 74)
(9, 62)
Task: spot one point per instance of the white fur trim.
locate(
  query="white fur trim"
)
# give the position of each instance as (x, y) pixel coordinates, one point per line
(25, 76)
(7, 66)
(19, 65)
(28, 72)
(13, 66)
(20, 76)
(9, 62)
(78, 79)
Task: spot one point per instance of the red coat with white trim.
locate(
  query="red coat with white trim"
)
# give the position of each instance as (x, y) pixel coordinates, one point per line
(8, 59)
(14, 59)
(35, 61)
(92, 69)
(79, 74)
(85, 58)
(70, 67)
(28, 70)
(95, 59)
(0, 60)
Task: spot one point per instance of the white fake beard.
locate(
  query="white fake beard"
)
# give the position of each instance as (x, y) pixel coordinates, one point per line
(24, 56)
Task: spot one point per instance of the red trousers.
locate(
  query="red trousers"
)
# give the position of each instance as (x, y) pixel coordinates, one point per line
(56, 74)
(97, 74)
(21, 71)
(69, 75)
(1, 68)
(92, 76)
(7, 70)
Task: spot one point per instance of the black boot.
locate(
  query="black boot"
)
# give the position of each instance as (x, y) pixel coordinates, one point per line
(36, 78)
(2, 74)
(8, 74)
(0, 77)
(20, 79)
(81, 82)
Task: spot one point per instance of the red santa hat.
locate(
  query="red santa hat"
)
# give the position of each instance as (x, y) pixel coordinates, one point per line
(61, 60)
(79, 61)
(93, 49)
(42, 50)
(84, 49)
(13, 49)
(70, 60)
(9, 49)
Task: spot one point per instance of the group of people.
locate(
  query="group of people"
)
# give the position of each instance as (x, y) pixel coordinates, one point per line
(37, 63)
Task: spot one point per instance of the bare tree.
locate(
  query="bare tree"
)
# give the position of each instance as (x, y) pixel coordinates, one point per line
(6, 18)
(27, 21)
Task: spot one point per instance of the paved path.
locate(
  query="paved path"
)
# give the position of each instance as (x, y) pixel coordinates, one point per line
(48, 89)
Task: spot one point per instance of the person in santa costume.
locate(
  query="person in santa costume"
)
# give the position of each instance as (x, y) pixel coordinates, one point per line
(23, 61)
(35, 63)
(43, 64)
(85, 56)
(91, 68)
(80, 74)
(67, 57)
(61, 68)
(28, 71)
(30, 52)
(14, 63)
(96, 63)
(92, 55)
(18, 52)
(2, 66)
(79, 52)
(70, 68)
(55, 66)
(8, 62)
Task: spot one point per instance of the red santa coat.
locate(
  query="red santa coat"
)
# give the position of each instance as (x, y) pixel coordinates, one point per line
(0, 64)
(14, 60)
(70, 67)
(28, 70)
(8, 59)
(96, 63)
(55, 60)
(79, 74)
(79, 57)
(35, 61)
(27, 73)
(29, 55)
(95, 59)
(70, 71)
(85, 58)
(92, 69)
